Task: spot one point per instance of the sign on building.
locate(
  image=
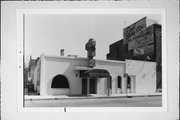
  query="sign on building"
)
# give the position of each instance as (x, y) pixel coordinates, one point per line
(141, 39)
(91, 52)
(138, 51)
(136, 28)
(133, 29)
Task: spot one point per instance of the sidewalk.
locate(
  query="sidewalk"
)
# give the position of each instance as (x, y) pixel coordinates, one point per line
(91, 96)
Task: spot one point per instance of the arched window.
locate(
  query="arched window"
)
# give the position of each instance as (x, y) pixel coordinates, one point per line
(60, 81)
(128, 82)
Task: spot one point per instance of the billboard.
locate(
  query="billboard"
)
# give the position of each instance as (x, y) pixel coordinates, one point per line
(132, 45)
(138, 51)
(158, 44)
(143, 50)
(141, 39)
(133, 29)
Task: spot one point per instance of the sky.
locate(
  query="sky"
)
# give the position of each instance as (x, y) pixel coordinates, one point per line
(49, 34)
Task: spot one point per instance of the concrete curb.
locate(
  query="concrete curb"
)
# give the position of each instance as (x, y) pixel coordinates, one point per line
(31, 98)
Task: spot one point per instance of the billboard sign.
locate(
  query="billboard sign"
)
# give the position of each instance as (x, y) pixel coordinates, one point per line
(148, 49)
(138, 51)
(132, 45)
(143, 50)
(133, 29)
(141, 39)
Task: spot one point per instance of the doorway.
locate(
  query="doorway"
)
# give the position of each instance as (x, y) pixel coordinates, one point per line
(131, 83)
(92, 86)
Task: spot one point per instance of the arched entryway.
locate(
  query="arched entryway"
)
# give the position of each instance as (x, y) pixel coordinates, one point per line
(60, 85)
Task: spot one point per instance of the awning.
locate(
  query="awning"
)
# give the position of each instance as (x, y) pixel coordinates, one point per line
(101, 73)
(82, 68)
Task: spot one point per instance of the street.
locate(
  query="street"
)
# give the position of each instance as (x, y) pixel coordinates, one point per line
(153, 101)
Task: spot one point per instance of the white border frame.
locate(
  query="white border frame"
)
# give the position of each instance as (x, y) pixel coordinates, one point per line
(20, 53)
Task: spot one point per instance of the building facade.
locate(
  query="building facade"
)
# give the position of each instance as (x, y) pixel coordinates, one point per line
(59, 75)
(29, 74)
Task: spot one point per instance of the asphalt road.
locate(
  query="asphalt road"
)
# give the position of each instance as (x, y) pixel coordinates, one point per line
(153, 101)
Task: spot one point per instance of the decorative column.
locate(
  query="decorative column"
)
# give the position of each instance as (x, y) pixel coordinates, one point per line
(108, 85)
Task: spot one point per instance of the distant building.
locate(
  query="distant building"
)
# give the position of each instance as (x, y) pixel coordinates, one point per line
(117, 51)
(141, 41)
(60, 75)
(29, 71)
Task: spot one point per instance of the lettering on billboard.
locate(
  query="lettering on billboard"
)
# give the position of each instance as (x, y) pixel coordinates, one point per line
(141, 39)
(148, 48)
(133, 29)
(138, 51)
(132, 45)
(144, 50)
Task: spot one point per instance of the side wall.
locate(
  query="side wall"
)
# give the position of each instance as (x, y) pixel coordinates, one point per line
(37, 73)
(145, 75)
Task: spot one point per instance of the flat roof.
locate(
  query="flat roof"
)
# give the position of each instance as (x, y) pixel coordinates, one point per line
(80, 58)
(87, 68)
(85, 59)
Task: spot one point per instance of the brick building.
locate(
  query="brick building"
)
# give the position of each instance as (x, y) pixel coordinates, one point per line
(29, 72)
(141, 41)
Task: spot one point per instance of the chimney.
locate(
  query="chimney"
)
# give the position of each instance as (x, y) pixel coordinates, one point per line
(62, 52)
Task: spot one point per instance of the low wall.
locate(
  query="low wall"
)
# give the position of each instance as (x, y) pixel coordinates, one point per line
(59, 91)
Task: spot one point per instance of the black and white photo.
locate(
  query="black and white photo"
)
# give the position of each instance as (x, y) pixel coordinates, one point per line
(92, 60)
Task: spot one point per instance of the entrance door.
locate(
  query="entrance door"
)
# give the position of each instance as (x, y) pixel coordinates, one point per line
(84, 86)
(131, 83)
(92, 86)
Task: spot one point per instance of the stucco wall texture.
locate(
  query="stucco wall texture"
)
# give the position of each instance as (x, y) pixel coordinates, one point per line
(142, 74)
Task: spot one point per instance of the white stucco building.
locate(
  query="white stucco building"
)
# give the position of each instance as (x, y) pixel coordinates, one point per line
(57, 75)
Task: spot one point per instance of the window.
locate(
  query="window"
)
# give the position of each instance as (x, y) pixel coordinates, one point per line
(128, 82)
(60, 81)
(119, 81)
